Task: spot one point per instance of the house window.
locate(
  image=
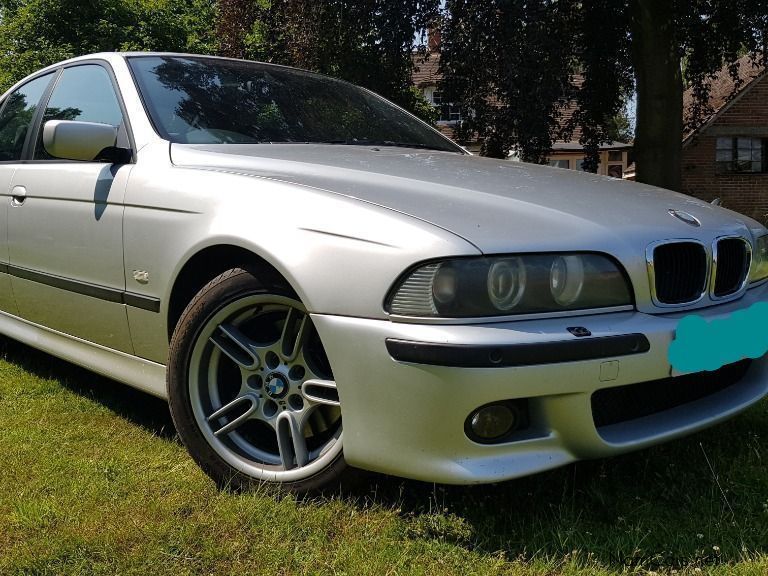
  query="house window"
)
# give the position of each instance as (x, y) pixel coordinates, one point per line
(615, 170)
(560, 163)
(615, 156)
(449, 112)
(741, 155)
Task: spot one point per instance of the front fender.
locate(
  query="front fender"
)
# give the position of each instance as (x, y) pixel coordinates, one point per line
(339, 254)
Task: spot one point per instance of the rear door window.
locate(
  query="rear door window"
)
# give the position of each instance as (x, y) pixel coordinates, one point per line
(17, 116)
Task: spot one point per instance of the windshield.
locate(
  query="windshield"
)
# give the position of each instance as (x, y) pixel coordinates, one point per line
(195, 100)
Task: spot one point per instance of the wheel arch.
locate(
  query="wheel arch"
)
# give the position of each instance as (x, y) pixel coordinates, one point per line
(207, 263)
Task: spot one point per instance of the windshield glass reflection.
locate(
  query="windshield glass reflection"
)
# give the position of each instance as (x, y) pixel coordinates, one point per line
(217, 101)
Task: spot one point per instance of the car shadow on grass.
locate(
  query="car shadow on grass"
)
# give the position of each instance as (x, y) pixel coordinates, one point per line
(149, 412)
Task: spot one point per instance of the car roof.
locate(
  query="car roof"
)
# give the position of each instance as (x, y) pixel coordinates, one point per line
(113, 57)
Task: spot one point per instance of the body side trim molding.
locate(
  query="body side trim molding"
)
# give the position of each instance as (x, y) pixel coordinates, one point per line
(78, 287)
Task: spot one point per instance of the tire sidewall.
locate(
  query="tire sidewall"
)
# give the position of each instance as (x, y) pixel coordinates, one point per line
(218, 293)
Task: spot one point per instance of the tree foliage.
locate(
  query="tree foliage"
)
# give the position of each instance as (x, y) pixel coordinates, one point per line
(714, 33)
(35, 33)
(367, 42)
(508, 64)
(511, 63)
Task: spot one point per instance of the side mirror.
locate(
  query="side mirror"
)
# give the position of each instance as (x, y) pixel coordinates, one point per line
(73, 140)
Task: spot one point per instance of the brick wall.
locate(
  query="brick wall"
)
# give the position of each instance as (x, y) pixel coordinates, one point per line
(745, 193)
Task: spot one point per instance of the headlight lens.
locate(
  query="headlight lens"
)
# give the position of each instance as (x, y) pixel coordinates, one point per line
(566, 279)
(505, 285)
(759, 269)
(444, 286)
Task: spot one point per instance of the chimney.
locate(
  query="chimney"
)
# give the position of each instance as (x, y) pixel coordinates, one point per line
(433, 39)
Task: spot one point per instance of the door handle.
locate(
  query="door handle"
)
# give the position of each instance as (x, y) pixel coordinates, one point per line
(18, 195)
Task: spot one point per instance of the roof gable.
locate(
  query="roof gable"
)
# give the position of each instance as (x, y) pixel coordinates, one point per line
(724, 91)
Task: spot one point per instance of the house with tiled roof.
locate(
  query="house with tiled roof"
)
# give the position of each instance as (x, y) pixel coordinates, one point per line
(614, 156)
(725, 155)
(426, 77)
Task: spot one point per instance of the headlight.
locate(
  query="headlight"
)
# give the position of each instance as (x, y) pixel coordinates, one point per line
(505, 285)
(759, 269)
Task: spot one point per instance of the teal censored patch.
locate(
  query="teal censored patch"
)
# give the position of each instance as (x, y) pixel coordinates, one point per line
(700, 345)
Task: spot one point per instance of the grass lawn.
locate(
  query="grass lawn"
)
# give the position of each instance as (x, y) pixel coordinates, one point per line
(94, 481)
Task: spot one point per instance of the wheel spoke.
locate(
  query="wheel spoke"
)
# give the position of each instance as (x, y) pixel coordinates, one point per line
(237, 346)
(317, 422)
(291, 442)
(240, 420)
(294, 333)
(318, 391)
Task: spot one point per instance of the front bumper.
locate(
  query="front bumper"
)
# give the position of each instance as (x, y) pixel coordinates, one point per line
(407, 418)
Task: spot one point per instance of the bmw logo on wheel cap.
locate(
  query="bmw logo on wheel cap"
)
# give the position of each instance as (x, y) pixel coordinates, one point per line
(689, 219)
(275, 385)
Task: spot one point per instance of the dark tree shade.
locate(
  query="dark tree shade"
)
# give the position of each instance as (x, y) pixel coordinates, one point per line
(511, 64)
(508, 63)
(607, 71)
(367, 42)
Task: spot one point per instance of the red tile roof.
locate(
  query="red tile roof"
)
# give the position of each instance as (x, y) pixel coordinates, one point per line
(723, 89)
(425, 72)
(567, 112)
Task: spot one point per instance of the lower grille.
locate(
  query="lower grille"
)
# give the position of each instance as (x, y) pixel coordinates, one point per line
(625, 403)
(680, 272)
(732, 266)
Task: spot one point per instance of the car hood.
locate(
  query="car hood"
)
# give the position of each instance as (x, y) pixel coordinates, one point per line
(497, 205)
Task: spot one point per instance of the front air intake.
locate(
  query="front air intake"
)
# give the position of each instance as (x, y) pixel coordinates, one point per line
(625, 403)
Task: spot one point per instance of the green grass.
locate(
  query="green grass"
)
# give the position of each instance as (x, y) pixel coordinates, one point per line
(94, 481)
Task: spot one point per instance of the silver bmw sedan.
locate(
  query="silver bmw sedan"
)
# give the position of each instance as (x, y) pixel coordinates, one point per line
(317, 280)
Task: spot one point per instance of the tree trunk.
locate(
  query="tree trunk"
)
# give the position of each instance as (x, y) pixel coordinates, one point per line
(659, 133)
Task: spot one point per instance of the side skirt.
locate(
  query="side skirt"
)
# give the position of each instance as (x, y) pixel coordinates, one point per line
(136, 372)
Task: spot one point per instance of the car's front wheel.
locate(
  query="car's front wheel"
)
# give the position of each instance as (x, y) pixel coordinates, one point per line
(250, 387)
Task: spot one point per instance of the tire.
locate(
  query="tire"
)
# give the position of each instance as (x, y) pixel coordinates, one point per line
(251, 390)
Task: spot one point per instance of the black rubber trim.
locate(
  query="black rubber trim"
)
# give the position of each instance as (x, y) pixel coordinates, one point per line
(92, 290)
(507, 355)
(143, 302)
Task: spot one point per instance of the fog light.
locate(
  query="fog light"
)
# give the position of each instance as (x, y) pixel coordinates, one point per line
(497, 422)
(492, 422)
